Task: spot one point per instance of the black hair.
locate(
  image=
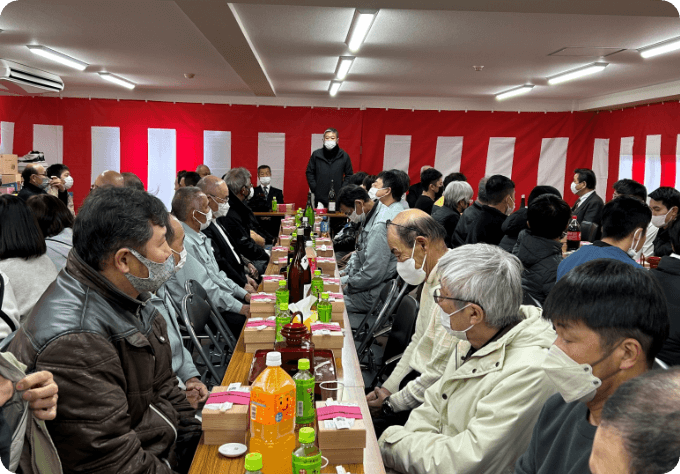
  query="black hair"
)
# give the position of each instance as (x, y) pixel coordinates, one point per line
(548, 216)
(587, 175)
(331, 130)
(405, 179)
(184, 201)
(428, 177)
(498, 187)
(629, 187)
(623, 215)
(392, 180)
(368, 181)
(191, 178)
(420, 225)
(669, 197)
(51, 214)
(115, 218)
(540, 190)
(614, 299)
(645, 412)
(27, 173)
(131, 180)
(56, 170)
(451, 177)
(263, 167)
(351, 193)
(20, 235)
(180, 175)
(356, 178)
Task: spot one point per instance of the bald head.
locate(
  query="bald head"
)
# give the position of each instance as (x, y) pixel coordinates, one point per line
(210, 183)
(218, 193)
(203, 171)
(413, 223)
(109, 179)
(426, 167)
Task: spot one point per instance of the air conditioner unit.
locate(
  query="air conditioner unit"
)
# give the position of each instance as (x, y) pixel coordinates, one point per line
(24, 80)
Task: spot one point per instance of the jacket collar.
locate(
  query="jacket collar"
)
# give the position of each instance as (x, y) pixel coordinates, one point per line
(196, 238)
(34, 189)
(669, 265)
(237, 206)
(88, 276)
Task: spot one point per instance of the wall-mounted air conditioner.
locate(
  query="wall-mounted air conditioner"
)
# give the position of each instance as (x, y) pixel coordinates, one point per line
(24, 80)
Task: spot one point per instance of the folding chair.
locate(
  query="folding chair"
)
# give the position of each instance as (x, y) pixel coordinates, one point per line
(192, 287)
(387, 293)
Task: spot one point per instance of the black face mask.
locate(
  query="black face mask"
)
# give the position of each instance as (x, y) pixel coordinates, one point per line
(439, 193)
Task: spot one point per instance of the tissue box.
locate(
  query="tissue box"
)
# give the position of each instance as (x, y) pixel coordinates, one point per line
(326, 264)
(9, 165)
(263, 303)
(284, 241)
(270, 283)
(353, 439)
(234, 420)
(324, 251)
(331, 284)
(287, 229)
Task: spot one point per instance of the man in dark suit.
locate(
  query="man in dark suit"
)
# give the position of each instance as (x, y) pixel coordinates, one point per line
(500, 202)
(588, 206)
(415, 191)
(263, 198)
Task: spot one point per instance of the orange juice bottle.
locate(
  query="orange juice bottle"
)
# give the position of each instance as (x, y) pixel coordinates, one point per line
(272, 417)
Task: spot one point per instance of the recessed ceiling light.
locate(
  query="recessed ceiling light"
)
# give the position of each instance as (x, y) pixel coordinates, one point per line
(344, 64)
(660, 48)
(576, 73)
(334, 88)
(117, 80)
(361, 23)
(56, 56)
(513, 92)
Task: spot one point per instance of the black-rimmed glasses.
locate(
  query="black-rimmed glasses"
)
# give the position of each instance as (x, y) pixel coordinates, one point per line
(389, 222)
(438, 298)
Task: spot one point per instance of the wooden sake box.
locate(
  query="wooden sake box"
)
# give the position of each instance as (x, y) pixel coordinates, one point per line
(337, 302)
(218, 438)
(270, 283)
(263, 303)
(324, 250)
(229, 422)
(324, 241)
(254, 335)
(351, 439)
(253, 348)
(331, 284)
(327, 265)
(284, 241)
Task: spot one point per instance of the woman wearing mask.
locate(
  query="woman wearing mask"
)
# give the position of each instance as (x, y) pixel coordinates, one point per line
(59, 187)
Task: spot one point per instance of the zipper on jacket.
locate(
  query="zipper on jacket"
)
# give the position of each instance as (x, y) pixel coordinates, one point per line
(164, 418)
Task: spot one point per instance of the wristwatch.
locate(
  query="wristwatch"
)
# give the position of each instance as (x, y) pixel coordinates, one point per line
(387, 407)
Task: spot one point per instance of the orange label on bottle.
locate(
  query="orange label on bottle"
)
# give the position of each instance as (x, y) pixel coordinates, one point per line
(270, 409)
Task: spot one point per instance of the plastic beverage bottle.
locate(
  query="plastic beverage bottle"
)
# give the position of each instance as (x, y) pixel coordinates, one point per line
(283, 317)
(275, 206)
(573, 235)
(282, 295)
(325, 308)
(305, 410)
(253, 463)
(311, 255)
(325, 228)
(272, 417)
(317, 284)
(307, 458)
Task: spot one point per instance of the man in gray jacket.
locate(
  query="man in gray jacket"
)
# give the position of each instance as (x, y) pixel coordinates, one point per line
(329, 164)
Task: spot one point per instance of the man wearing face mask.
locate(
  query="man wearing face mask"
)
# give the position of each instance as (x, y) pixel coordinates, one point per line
(588, 206)
(191, 207)
(457, 197)
(328, 164)
(372, 264)
(431, 181)
(60, 187)
(624, 224)
(500, 202)
(265, 193)
(226, 256)
(120, 406)
(611, 321)
(476, 417)
(417, 241)
(35, 180)
(665, 205)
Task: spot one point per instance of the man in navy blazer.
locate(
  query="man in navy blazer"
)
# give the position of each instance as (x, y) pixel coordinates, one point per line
(589, 205)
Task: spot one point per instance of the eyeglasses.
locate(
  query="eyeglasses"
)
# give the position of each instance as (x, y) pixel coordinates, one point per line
(217, 199)
(389, 222)
(438, 298)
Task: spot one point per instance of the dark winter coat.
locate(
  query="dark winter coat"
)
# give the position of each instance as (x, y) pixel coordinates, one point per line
(540, 258)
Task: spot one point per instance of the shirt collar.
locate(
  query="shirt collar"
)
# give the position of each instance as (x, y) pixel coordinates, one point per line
(583, 198)
(192, 235)
(675, 255)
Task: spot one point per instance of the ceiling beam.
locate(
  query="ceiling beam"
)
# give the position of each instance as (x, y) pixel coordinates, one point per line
(219, 22)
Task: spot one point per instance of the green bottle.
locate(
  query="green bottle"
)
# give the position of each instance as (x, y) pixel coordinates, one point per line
(282, 294)
(282, 318)
(309, 211)
(305, 411)
(325, 309)
(275, 205)
(307, 458)
(293, 239)
(254, 463)
(317, 284)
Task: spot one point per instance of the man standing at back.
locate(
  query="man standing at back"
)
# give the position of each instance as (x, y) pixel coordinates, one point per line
(588, 206)
(328, 164)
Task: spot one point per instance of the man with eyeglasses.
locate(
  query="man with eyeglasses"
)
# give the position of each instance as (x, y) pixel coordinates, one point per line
(477, 417)
(418, 243)
(36, 181)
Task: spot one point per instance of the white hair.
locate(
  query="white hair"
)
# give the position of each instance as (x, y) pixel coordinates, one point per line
(457, 191)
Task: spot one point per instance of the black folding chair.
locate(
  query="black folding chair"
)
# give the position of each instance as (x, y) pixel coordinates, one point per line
(590, 232)
(387, 293)
(400, 335)
(192, 287)
(197, 318)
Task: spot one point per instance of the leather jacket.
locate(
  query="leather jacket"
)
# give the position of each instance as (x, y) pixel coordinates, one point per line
(120, 407)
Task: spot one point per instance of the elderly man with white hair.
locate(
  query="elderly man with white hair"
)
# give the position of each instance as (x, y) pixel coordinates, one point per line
(457, 197)
(478, 417)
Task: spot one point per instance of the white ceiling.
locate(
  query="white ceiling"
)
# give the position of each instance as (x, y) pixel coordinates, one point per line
(411, 58)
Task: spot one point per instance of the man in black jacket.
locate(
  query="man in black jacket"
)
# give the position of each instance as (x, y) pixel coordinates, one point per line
(500, 202)
(35, 180)
(415, 191)
(588, 206)
(469, 216)
(517, 222)
(326, 165)
(240, 218)
(665, 205)
(265, 194)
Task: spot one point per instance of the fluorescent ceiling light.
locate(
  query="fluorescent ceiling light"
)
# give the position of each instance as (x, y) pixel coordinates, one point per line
(361, 23)
(660, 48)
(117, 80)
(57, 57)
(513, 92)
(344, 64)
(335, 87)
(576, 73)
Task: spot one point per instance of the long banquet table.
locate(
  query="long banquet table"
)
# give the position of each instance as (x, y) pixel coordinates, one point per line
(207, 460)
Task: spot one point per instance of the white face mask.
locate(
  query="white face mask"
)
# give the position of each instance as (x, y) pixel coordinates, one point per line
(251, 193)
(330, 144)
(265, 180)
(409, 273)
(632, 251)
(182, 259)
(356, 218)
(573, 188)
(222, 209)
(510, 209)
(446, 322)
(660, 221)
(68, 182)
(373, 193)
(574, 381)
(208, 218)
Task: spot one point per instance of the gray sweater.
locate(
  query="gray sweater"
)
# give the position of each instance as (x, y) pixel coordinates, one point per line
(30, 278)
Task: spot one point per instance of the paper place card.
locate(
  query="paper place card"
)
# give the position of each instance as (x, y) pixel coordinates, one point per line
(263, 297)
(329, 327)
(335, 411)
(274, 277)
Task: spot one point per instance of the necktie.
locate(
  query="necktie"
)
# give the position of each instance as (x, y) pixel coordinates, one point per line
(266, 192)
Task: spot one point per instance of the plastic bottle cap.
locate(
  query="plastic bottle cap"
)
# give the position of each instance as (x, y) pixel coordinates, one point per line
(306, 435)
(309, 243)
(324, 295)
(253, 462)
(283, 306)
(282, 283)
(317, 272)
(273, 359)
(303, 364)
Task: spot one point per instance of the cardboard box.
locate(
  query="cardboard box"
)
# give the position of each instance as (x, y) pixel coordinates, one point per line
(327, 265)
(263, 303)
(284, 241)
(270, 283)
(234, 419)
(331, 284)
(253, 348)
(11, 178)
(334, 341)
(324, 251)
(285, 207)
(338, 318)
(9, 164)
(218, 438)
(350, 439)
(343, 456)
(324, 241)
(281, 262)
(253, 335)
(287, 229)
(338, 302)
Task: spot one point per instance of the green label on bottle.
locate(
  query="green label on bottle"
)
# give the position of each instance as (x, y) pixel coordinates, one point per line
(305, 411)
(325, 312)
(307, 465)
(280, 322)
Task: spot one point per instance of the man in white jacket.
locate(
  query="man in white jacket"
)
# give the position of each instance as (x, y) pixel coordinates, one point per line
(494, 379)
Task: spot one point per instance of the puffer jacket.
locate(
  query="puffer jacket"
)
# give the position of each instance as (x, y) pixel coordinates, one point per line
(479, 416)
(540, 258)
(325, 166)
(513, 225)
(120, 407)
